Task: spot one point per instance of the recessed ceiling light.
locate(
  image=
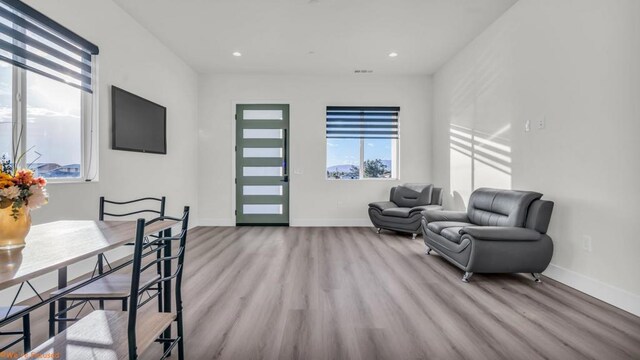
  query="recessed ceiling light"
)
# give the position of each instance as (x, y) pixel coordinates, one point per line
(393, 54)
(236, 54)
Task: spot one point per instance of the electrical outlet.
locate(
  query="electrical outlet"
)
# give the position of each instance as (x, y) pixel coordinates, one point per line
(527, 126)
(541, 123)
(340, 204)
(587, 243)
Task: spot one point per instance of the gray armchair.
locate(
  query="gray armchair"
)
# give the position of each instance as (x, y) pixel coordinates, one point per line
(403, 210)
(502, 231)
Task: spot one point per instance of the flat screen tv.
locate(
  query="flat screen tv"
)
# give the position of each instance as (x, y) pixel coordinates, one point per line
(137, 123)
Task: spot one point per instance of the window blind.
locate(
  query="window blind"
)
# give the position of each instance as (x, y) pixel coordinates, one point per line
(362, 122)
(34, 42)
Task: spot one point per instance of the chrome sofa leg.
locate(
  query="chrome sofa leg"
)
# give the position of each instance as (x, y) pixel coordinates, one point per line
(427, 250)
(536, 277)
(378, 230)
(413, 236)
(467, 276)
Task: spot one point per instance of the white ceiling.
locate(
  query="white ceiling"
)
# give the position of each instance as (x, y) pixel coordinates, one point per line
(317, 36)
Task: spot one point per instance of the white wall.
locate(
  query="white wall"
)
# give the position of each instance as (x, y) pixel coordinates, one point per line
(130, 58)
(314, 201)
(576, 64)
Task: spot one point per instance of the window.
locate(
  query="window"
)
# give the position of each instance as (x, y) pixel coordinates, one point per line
(53, 128)
(46, 103)
(362, 142)
(6, 115)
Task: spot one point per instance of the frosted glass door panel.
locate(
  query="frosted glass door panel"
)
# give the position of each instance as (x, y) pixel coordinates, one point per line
(262, 190)
(262, 114)
(262, 133)
(262, 164)
(262, 209)
(262, 171)
(262, 152)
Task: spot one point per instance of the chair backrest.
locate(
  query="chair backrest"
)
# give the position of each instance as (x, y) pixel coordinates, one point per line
(142, 248)
(410, 195)
(133, 207)
(496, 207)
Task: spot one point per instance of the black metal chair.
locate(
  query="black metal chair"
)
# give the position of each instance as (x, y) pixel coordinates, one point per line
(103, 202)
(102, 213)
(116, 286)
(24, 335)
(120, 334)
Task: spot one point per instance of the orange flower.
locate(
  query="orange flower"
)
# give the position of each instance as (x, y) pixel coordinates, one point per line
(24, 177)
(6, 180)
(40, 181)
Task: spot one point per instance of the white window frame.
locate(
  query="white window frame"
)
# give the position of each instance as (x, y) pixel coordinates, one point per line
(88, 126)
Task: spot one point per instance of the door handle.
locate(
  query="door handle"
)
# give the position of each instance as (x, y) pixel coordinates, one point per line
(285, 165)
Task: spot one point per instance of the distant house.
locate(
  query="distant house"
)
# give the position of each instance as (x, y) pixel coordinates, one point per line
(66, 171)
(43, 169)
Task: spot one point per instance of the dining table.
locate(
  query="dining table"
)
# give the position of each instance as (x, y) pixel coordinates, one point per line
(53, 247)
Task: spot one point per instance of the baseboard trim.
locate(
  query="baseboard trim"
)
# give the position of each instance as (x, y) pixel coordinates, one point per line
(330, 222)
(610, 294)
(216, 222)
(293, 222)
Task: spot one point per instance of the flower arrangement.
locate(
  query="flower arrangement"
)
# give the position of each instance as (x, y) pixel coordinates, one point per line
(19, 188)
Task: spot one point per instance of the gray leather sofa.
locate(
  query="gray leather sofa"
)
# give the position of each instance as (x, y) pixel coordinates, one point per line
(502, 231)
(403, 210)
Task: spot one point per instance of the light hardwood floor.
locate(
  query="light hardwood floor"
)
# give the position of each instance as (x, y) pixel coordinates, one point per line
(349, 293)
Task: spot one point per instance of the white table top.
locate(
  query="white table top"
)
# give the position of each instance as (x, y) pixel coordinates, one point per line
(58, 244)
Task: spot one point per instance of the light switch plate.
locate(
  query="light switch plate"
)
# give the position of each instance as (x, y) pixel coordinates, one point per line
(527, 126)
(298, 171)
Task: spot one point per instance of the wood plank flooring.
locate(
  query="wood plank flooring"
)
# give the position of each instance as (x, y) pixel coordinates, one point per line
(349, 293)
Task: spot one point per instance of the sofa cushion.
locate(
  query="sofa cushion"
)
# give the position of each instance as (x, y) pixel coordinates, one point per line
(501, 233)
(438, 226)
(494, 207)
(445, 215)
(397, 212)
(452, 234)
(410, 195)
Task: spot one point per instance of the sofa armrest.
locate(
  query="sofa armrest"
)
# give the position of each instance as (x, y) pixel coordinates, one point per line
(382, 205)
(444, 215)
(501, 233)
(422, 208)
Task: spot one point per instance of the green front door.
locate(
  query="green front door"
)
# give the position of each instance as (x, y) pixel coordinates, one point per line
(262, 164)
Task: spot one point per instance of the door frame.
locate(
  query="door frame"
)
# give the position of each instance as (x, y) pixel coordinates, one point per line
(234, 103)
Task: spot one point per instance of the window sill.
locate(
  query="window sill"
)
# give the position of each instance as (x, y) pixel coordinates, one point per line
(366, 179)
(69, 181)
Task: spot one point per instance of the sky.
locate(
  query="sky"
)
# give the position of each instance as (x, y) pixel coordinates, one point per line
(53, 113)
(347, 151)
